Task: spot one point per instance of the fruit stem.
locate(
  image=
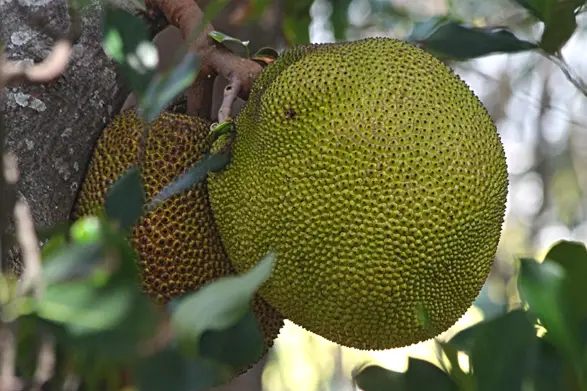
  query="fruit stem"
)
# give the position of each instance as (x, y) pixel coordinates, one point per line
(215, 58)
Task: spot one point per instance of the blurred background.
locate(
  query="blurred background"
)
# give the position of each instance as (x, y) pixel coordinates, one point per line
(542, 119)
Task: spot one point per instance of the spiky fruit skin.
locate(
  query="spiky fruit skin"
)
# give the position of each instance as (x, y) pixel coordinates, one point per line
(177, 245)
(380, 181)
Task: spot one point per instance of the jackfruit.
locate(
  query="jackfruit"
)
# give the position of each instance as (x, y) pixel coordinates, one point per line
(380, 181)
(177, 245)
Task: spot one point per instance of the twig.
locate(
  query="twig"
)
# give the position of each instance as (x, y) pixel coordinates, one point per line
(31, 279)
(216, 59)
(45, 362)
(8, 382)
(14, 73)
(230, 94)
(160, 340)
(559, 60)
(71, 382)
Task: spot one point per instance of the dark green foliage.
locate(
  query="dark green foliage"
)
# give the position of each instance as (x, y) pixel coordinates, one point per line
(449, 38)
(507, 352)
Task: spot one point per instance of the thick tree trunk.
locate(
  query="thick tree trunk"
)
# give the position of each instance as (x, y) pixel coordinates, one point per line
(52, 128)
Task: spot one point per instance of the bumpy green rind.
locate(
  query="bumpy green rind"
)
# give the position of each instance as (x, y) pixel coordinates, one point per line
(379, 179)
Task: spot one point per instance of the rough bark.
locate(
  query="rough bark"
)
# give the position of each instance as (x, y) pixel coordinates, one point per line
(52, 128)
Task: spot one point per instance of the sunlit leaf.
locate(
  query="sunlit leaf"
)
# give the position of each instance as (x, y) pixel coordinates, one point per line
(572, 256)
(464, 381)
(221, 37)
(376, 378)
(125, 199)
(500, 350)
(219, 304)
(210, 163)
(544, 287)
(86, 230)
(447, 38)
(221, 129)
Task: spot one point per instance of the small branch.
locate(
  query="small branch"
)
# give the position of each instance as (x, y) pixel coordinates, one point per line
(230, 95)
(163, 337)
(559, 60)
(8, 382)
(216, 59)
(14, 73)
(32, 277)
(45, 362)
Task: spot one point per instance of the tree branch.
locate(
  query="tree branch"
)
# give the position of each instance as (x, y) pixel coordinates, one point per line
(201, 92)
(575, 80)
(215, 58)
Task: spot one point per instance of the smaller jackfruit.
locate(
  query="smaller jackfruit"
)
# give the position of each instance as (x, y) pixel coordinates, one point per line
(178, 247)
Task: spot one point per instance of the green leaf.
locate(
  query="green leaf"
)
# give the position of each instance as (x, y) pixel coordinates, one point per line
(219, 304)
(59, 228)
(169, 370)
(126, 40)
(54, 245)
(266, 52)
(221, 37)
(296, 23)
(221, 129)
(572, 256)
(107, 317)
(447, 38)
(559, 29)
(544, 288)
(86, 230)
(464, 380)
(376, 378)
(500, 350)
(548, 372)
(125, 199)
(238, 346)
(339, 18)
(541, 9)
(422, 375)
(163, 88)
(72, 261)
(84, 307)
(194, 175)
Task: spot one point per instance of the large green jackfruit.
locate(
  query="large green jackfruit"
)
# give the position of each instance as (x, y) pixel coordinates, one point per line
(177, 245)
(380, 181)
